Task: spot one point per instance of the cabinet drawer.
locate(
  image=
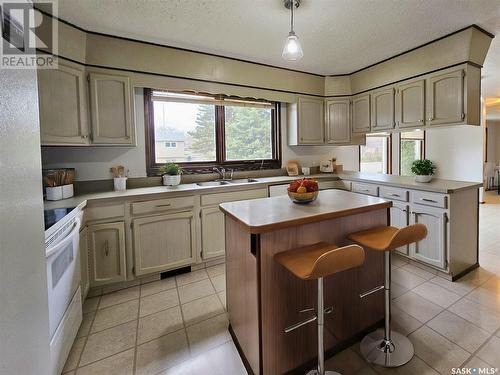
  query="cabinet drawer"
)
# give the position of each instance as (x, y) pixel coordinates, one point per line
(368, 189)
(213, 199)
(394, 193)
(104, 211)
(429, 199)
(160, 205)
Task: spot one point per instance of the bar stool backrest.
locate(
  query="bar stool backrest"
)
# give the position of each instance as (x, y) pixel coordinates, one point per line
(337, 260)
(407, 235)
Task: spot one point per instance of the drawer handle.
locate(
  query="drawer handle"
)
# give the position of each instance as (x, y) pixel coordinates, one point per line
(164, 205)
(106, 248)
(395, 195)
(428, 200)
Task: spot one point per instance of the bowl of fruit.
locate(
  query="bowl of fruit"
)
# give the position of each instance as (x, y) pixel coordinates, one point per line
(304, 190)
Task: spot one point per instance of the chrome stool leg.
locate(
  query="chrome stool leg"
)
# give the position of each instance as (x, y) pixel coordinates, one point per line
(321, 323)
(385, 347)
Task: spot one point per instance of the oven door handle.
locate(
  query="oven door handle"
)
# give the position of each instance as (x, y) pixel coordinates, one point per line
(53, 250)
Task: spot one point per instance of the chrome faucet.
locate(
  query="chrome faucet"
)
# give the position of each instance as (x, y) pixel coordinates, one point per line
(221, 172)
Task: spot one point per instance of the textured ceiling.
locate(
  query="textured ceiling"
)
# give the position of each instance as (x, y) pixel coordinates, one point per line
(338, 36)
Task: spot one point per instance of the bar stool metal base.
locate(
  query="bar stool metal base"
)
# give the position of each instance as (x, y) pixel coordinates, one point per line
(315, 372)
(393, 353)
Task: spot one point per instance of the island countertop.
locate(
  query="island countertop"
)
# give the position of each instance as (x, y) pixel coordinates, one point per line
(268, 214)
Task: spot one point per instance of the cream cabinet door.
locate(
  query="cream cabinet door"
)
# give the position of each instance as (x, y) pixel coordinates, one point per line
(410, 108)
(84, 262)
(338, 121)
(213, 240)
(361, 114)
(63, 106)
(432, 249)
(400, 216)
(164, 242)
(382, 111)
(311, 121)
(111, 109)
(107, 253)
(445, 98)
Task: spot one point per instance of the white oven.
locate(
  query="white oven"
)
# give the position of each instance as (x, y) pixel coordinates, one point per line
(63, 282)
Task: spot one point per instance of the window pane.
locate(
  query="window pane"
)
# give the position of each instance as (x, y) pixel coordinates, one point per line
(184, 132)
(411, 150)
(248, 133)
(373, 156)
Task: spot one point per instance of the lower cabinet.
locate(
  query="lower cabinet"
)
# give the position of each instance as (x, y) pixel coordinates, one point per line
(212, 232)
(84, 262)
(107, 253)
(164, 242)
(433, 249)
(400, 212)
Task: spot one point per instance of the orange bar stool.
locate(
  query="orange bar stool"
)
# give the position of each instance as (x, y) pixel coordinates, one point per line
(315, 262)
(383, 347)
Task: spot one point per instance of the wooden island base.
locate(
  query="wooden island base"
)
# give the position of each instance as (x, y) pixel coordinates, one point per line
(263, 297)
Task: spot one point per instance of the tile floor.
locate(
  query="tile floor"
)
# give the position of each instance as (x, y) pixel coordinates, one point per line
(179, 325)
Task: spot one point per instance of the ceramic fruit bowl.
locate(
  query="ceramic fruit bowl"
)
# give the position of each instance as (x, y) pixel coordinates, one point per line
(303, 197)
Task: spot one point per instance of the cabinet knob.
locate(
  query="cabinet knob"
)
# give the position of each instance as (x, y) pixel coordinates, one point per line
(421, 120)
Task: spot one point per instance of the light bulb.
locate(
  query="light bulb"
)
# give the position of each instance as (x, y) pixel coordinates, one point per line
(292, 49)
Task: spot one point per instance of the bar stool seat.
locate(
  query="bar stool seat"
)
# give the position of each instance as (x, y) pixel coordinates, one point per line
(314, 262)
(385, 347)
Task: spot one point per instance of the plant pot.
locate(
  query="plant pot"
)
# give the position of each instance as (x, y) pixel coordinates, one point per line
(169, 180)
(120, 183)
(423, 178)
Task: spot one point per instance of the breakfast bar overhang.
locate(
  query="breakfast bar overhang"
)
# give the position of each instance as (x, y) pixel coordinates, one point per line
(263, 298)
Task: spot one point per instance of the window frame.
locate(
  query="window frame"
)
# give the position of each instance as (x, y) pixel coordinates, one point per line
(389, 151)
(220, 140)
(422, 149)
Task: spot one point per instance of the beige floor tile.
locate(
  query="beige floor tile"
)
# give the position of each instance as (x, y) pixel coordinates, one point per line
(486, 297)
(74, 355)
(162, 353)
(459, 331)
(478, 277)
(86, 323)
(157, 286)
(159, 301)
(346, 362)
(477, 363)
(222, 297)
(118, 364)
(219, 282)
(191, 277)
(403, 322)
(481, 316)
(407, 279)
(398, 261)
(415, 367)
(90, 304)
(222, 360)
(418, 307)
(159, 324)
(219, 269)
(201, 309)
(115, 315)
(397, 290)
(490, 352)
(120, 296)
(208, 334)
(459, 287)
(438, 352)
(437, 294)
(195, 290)
(111, 341)
(367, 370)
(419, 271)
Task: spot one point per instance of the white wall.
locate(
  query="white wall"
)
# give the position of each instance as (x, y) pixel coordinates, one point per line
(24, 321)
(457, 152)
(93, 163)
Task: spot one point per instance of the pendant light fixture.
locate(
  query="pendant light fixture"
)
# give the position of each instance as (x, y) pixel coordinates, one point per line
(292, 49)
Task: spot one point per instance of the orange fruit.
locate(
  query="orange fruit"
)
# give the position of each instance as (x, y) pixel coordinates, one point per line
(302, 190)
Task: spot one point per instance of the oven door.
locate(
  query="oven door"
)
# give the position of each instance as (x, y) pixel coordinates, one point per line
(63, 273)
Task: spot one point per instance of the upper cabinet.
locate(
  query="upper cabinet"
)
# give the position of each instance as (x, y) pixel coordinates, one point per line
(111, 109)
(361, 113)
(338, 121)
(63, 106)
(445, 94)
(410, 108)
(306, 120)
(382, 109)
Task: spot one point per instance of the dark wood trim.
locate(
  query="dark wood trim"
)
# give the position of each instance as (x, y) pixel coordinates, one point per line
(240, 351)
(420, 46)
(468, 269)
(175, 48)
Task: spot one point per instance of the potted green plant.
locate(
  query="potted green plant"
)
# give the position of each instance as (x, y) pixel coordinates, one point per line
(171, 174)
(423, 170)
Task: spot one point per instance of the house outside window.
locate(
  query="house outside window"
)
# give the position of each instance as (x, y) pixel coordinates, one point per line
(375, 156)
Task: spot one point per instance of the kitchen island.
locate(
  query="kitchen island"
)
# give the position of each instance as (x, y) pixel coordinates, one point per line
(263, 298)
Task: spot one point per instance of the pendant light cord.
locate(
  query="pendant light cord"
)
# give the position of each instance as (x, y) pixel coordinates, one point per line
(292, 3)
